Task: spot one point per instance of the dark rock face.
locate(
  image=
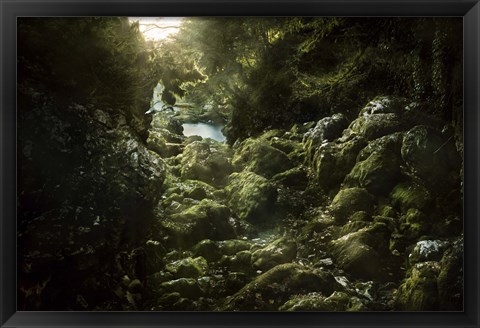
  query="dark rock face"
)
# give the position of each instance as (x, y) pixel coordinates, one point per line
(328, 128)
(430, 157)
(87, 187)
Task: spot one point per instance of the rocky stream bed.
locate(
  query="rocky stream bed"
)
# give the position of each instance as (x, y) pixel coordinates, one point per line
(333, 215)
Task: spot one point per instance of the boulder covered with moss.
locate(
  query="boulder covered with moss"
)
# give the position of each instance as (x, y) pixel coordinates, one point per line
(273, 288)
(338, 301)
(362, 254)
(207, 161)
(205, 220)
(282, 250)
(431, 157)
(419, 291)
(252, 197)
(331, 161)
(378, 166)
(327, 129)
(349, 201)
(257, 155)
(409, 194)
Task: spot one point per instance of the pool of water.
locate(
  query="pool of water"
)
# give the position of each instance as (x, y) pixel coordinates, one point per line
(204, 130)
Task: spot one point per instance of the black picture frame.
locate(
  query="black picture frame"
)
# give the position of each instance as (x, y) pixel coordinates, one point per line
(10, 10)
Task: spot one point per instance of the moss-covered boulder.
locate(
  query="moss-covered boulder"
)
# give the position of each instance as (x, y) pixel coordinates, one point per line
(154, 254)
(282, 250)
(450, 279)
(351, 200)
(205, 220)
(338, 301)
(208, 249)
(251, 197)
(427, 250)
(419, 291)
(375, 126)
(431, 157)
(188, 267)
(164, 121)
(296, 178)
(363, 253)
(186, 287)
(384, 105)
(207, 161)
(273, 288)
(257, 155)
(326, 129)
(240, 262)
(378, 166)
(233, 246)
(409, 194)
(331, 161)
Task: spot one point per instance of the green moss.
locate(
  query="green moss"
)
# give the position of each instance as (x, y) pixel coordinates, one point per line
(419, 291)
(280, 251)
(206, 161)
(233, 246)
(257, 155)
(409, 195)
(332, 161)
(251, 196)
(377, 125)
(208, 249)
(378, 173)
(362, 253)
(349, 201)
(188, 267)
(273, 288)
(186, 287)
(296, 178)
(205, 220)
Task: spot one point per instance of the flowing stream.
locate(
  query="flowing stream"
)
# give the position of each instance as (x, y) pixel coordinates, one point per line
(205, 130)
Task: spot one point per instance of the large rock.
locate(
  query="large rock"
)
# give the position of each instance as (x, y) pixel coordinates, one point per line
(280, 251)
(331, 161)
(378, 166)
(377, 125)
(409, 195)
(205, 220)
(349, 201)
(258, 156)
(384, 105)
(419, 291)
(188, 267)
(380, 117)
(207, 161)
(338, 301)
(326, 129)
(251, 197)
(431, 157)
(450, 279)
(363, 253)
(427, 250)
(273, 288)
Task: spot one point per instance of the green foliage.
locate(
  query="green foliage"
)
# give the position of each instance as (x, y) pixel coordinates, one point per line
(95, 59)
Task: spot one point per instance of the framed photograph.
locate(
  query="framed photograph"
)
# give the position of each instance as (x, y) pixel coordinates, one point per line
(226, 163)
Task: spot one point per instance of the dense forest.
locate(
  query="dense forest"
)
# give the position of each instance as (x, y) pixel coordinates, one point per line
(335, 184)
